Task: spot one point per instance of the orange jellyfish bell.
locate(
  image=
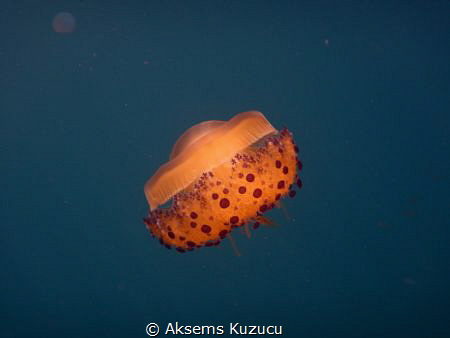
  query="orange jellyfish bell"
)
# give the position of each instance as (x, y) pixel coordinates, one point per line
(221, 175)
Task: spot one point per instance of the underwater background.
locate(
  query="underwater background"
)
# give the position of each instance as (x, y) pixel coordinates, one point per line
(88, 115)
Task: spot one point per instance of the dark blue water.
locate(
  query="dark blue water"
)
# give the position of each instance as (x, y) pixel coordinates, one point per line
(87, 117)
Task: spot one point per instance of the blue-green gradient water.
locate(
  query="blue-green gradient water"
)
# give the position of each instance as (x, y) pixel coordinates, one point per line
(87, 117)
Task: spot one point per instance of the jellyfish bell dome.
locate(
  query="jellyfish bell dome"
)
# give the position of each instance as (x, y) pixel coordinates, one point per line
(202, 148)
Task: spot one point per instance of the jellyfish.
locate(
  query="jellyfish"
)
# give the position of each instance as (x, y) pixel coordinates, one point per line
(63, 22)
(221, 175)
